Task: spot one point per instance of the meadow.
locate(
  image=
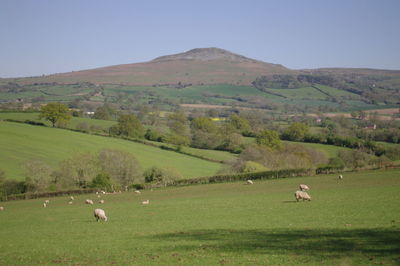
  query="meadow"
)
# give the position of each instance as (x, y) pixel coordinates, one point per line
(21, 142)
(354, 221)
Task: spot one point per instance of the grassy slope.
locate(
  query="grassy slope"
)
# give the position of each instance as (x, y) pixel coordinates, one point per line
(352, 222)
(71, 124)
(21, 142)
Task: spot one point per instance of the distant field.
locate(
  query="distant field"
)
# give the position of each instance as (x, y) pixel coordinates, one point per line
(21, 142)
(352, 222)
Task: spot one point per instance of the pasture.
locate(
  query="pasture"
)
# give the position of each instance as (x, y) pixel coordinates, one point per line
(349, 222)
(21, 142)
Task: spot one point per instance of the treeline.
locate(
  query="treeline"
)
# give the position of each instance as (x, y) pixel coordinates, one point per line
(109, 170)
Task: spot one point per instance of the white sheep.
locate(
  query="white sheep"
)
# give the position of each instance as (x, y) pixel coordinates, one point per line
(103, 192)
(303, 187)
(100, 214)
(1, 208)
(97, 193)
(146, 202)
(249, 182)
(138, 192)
(72, 197)
(88, 201)
(47, 201)
(340, 177)
(302, 195)
(98, 196)
(101, 201)
(44, 205)
(70, 202)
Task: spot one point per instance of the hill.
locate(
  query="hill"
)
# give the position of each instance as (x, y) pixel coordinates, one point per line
(22, 142)
(197, 66)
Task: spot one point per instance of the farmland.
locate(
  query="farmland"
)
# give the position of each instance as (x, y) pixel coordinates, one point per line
(215, 224)
(21, 142)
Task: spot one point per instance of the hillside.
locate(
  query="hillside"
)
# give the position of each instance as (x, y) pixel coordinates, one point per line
(197, 66)
(20, 143)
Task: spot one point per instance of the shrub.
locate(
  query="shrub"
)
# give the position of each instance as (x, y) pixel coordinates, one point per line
(102, 181)
(161, 176)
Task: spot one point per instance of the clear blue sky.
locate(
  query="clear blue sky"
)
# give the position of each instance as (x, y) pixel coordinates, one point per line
(52, 36)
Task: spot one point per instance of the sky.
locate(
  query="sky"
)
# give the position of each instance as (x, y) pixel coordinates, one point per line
(53, 36)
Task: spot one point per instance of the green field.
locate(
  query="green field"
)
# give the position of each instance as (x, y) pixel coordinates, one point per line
(22, 142)
(355, 221)
(72, 124)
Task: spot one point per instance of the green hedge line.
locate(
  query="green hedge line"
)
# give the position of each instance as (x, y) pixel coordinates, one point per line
(25, 196)
(242, 177)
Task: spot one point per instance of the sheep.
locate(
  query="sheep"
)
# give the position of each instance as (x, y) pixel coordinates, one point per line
(1, 208)
(72, 197)
(70, 202)
(303, 187)
(101, 201)
(47, 201)
(249, 182)
(98, 196)
(103, 192)
(44, 205)
(88, 201)
(146, 202)
(100, 214)
(138, 192)
(340, 177)
(302, 195)
(97, 193)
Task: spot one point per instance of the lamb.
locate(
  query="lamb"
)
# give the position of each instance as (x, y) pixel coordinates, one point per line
(138, 192)
(100, 214)
(1, 208)
(47, 201)
(70, 202)
(72, 197)
(44, 205)
(101, 201)
(302, 195)
(303, 187)
(88, 201)
(340, 177)
(249, 182)
(146, 202)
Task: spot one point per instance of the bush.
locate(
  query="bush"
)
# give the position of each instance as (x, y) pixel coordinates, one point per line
(102, 181)
(161, 176)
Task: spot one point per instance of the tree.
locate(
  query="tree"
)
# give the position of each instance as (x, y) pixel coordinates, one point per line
(177, 122)
(122, 167)
(296, 131)
(105, 112)
(55, 113)
(102, 181)
(38, 175)
(240, 124)
(269, 138)
(129, 126)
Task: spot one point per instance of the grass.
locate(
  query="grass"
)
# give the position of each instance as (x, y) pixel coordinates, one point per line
(350, 222)
(72, 124)
(22, 142)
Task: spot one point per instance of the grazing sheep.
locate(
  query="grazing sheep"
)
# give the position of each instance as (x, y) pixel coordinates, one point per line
(103, 192)
(302, 195)
(340, 177)
(98, 196)
(146, 202)
(97, 193)
(100, 214)
(249, 182)
(138, 192)
(88, 201)
(44, 205)
(47, 201)
(72, 197)
(303, 187)
(1, 208)
(70, 202)
(101, 201)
